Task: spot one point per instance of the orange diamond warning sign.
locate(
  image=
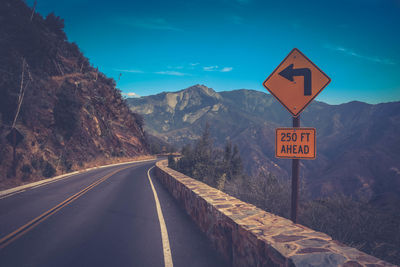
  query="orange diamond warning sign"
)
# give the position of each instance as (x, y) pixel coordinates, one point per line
(295, 143)
(296, 82)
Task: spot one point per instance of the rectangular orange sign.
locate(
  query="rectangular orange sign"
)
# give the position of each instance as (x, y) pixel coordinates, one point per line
(295, 143)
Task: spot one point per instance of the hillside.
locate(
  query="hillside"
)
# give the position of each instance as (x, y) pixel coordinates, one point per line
(356, 142)
(71, 113)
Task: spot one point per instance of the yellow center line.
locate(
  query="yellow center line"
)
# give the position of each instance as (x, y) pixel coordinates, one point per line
(164, 234)
(6, 240)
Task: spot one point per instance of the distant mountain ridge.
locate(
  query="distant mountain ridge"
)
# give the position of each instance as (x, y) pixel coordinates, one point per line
(357, 143)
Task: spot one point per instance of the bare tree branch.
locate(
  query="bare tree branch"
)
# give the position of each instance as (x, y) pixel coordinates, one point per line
(33, 9)
(22, 89)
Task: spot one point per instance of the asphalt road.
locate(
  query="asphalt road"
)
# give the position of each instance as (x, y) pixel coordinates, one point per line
(105, 217)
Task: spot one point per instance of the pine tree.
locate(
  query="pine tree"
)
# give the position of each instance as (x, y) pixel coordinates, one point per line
(236, 162)
(208, 164)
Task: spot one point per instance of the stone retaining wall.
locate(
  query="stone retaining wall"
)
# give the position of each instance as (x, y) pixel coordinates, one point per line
(248, 236)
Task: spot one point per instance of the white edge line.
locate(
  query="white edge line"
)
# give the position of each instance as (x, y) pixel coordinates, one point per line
(164, 233)
(22, 188)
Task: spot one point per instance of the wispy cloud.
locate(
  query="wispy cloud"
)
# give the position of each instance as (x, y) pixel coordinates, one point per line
(350, 52)
(210, 68)
(217, 68)
(148, 23)
(175, 70)
(167, 72)
(130, 94)
(129, 71)
(172, 73)
(226, 69)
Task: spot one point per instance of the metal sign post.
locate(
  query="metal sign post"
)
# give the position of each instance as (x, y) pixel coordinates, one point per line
(295, 179)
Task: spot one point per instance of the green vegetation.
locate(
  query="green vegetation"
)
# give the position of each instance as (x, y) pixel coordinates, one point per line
(156, 145)
(211, 165)
(356, 223)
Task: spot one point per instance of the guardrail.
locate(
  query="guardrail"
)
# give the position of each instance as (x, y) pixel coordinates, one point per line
(248, 236)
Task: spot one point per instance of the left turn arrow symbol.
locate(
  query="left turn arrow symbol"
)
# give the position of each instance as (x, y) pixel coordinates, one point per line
(288, 73)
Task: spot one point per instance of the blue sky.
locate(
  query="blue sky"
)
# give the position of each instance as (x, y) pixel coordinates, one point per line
(233, 44)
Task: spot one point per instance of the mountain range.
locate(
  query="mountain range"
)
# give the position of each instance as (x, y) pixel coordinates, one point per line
(357, 143)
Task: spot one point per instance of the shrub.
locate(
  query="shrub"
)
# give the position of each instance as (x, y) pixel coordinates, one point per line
(26, 169)
(48, 170)
(356, 223)
(66, 163)
(171, 161)
(206, 163)
(56, 25)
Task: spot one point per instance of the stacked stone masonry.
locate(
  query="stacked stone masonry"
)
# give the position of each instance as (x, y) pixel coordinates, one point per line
(248, 236)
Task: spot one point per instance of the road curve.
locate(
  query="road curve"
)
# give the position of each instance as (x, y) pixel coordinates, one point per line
(104, 217)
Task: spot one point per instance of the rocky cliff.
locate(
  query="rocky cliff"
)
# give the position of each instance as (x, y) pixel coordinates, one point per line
(67, 112)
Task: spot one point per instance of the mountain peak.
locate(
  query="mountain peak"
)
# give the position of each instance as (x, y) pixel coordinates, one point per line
(201, 89)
